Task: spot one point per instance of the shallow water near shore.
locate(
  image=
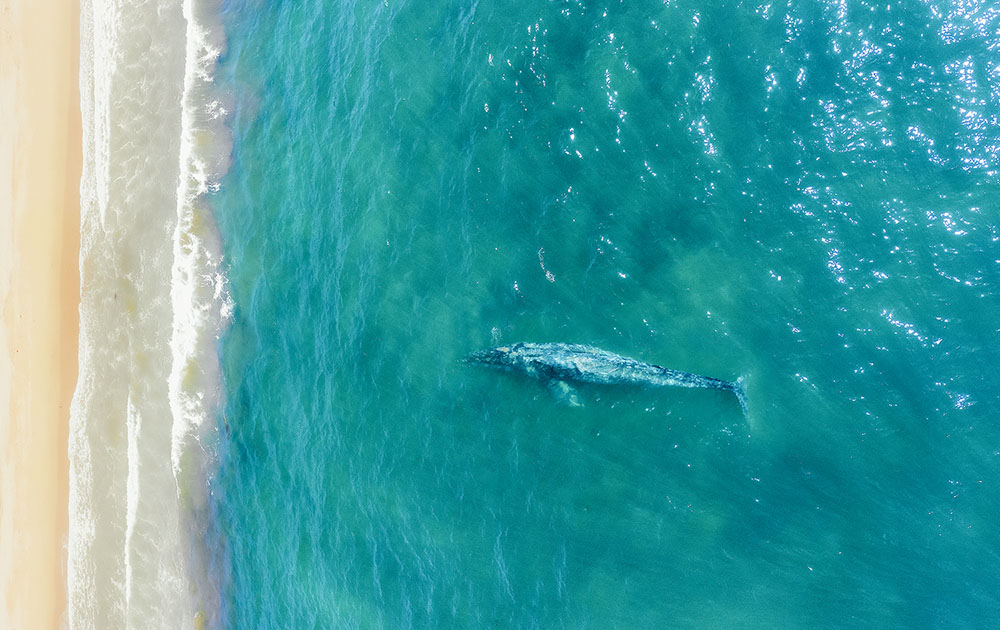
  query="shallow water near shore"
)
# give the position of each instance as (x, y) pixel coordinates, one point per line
(803, 194)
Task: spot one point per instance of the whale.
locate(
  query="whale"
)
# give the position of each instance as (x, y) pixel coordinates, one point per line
(559, 364)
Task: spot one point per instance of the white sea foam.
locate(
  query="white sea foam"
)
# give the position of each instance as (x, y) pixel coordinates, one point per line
(201, 302)
(143, 431)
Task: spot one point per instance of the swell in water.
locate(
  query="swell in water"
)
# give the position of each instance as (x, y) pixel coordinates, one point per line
(144, 439)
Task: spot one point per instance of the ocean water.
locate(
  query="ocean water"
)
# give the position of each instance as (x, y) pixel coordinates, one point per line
(355, 195)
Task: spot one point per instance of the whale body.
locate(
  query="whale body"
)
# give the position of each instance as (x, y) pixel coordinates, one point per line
(560, 363)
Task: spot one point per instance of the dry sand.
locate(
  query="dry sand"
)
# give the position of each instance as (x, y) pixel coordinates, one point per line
(40, 161)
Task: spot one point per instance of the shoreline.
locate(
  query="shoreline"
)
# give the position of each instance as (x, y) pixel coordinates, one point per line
(40, 167)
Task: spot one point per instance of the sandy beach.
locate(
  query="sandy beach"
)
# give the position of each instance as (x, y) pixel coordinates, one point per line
(40, 162)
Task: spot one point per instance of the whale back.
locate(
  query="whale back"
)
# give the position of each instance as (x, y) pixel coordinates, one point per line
(587, 364)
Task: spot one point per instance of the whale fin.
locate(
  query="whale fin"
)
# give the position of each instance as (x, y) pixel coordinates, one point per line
(564, 392)
(739, 388)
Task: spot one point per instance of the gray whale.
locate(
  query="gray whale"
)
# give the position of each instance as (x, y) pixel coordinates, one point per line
(559, 363)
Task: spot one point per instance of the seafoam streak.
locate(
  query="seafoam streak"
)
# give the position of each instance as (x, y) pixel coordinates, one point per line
(201, 302)
(137, 447)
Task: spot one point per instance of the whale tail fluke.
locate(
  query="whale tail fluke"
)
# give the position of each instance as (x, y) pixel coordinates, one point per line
(739, 388)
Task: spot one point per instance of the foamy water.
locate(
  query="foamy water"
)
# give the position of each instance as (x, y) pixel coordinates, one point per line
(142, 429)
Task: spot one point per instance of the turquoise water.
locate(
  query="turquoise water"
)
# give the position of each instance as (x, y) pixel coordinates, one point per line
(803, 193)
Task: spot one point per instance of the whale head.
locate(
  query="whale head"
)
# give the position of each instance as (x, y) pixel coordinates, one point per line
(514, 358)
(500, 357)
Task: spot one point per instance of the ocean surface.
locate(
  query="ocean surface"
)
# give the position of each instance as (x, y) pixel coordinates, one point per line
(299, 217)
